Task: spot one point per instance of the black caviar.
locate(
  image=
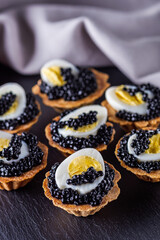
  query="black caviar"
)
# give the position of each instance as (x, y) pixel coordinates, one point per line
(139, 146)
(86, 177)
(70, 196)
(82, 120)
(30, 112)
(75, 88)
(6, 102)
(23, 165)
(103, 136)
(153, 104)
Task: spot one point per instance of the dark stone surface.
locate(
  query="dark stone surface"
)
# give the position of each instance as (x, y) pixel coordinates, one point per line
(27, 214)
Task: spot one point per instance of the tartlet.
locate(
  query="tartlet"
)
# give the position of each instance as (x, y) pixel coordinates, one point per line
(139, 152)
(21, 158)
(18, 111)
(85, 191)
(133, 107)
(90, 129)
(70, 87)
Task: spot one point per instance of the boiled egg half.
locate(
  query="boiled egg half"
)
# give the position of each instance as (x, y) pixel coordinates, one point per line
(86, 130)
(5, 139)
(76, 164)
(51, 72)
(152, 153)
(18, 106)
(120, 99)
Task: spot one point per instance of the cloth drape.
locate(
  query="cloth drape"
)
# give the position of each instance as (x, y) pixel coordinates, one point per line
(86, 36)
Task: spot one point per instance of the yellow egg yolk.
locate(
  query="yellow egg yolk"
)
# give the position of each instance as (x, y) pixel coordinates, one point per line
(53, 75)
(80, 164)
(12, 109)
(85, 128)
(4, 143)
(125, 97)
(154, 146)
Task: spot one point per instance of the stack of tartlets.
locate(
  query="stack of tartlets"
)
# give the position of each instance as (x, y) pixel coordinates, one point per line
(83, 183)
(133, 107)
(80, 128)
(18, 110)
(63, 86)
(21, 158)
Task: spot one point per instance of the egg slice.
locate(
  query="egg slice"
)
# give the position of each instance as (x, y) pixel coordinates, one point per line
(19, 104)
(85, 131)
(5, 139)
(77, 163)
(121, 100)
(50, 72)
(151, 154)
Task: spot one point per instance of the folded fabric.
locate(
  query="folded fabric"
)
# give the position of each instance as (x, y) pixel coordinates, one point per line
(86, 36)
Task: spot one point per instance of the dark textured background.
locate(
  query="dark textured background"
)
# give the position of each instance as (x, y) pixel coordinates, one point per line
(27, 214)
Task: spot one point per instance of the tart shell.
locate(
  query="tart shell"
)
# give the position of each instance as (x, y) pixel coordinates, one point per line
(127, 125)
(85, 210)
(58, 104)
(25, 127)
(13, 183)
(153, 176)
(68, 151)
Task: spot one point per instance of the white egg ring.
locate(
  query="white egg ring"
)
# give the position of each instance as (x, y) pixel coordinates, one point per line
(101, 118)
(61, 176)
(24, 148)
(118, 105)
(59, 63)
(16, 89)
(143, 157)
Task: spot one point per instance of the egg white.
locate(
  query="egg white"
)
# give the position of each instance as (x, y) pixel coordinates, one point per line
(143, 157)
(101, 117)
(58, 63)
(15, 88)
(24, 148)
(62, 174)
(118, 105)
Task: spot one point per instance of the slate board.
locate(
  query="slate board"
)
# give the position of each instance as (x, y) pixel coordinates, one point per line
(26, 214)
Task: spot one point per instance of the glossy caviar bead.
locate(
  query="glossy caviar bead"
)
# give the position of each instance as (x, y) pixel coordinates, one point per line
(71, 196)
(87, 177)
(153, 104)
(139, 147)
(6, 102)
(75, 88)
(30, 112)
(17, 168)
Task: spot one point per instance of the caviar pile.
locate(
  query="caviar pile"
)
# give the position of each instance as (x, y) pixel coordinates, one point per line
(103, 136)
(30, 112)
(82, 120)
(153, 105)
(139, 147)
(75, 88)
(23, 165)
(6, 102)
(70, 196)
(87, 177)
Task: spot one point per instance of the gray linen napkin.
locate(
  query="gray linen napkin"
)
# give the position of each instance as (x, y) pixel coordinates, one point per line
(89, 36)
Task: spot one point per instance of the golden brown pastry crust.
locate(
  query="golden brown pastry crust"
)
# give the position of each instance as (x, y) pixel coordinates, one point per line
(126, 125)
(153, 176)
(25, 127)
(102, 83)
(85, 210)
(68, 151)
(12, 183)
